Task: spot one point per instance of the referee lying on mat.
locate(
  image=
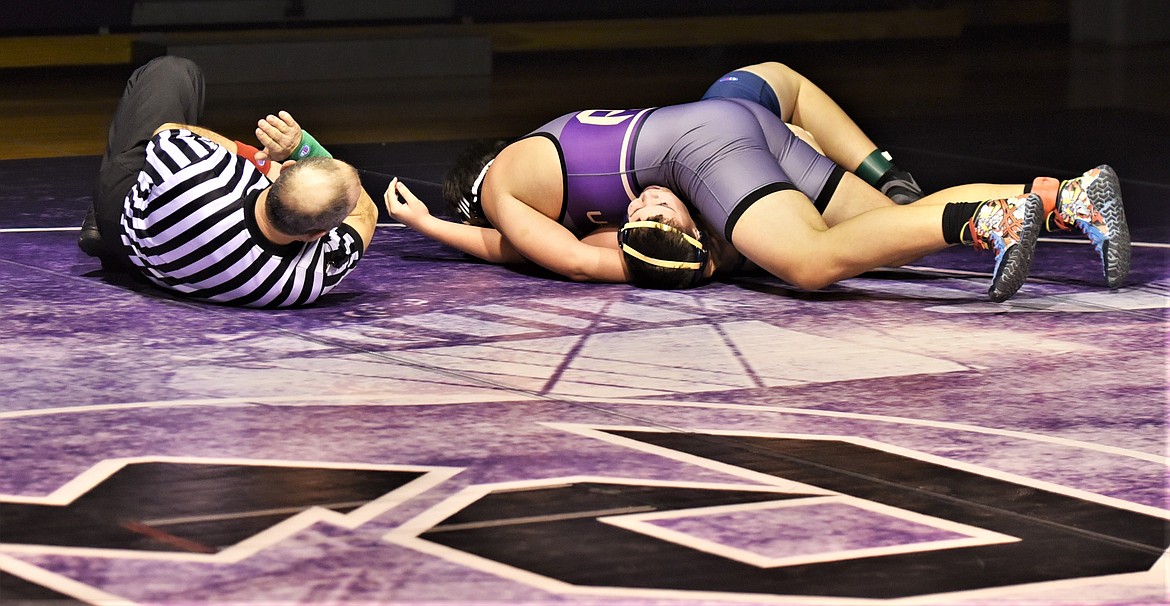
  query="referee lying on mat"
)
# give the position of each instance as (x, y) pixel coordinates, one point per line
(218, 220)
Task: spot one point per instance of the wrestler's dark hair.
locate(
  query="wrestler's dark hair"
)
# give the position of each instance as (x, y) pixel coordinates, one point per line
(665, 245)
(462, 175)
(323, 210)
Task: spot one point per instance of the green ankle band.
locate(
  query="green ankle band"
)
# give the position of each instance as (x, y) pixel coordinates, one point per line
(876, 164)
(309, 148)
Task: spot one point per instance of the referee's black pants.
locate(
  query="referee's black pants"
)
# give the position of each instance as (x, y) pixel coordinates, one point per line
(168, 89)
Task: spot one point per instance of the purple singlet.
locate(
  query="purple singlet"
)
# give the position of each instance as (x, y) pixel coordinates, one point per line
(718, 155)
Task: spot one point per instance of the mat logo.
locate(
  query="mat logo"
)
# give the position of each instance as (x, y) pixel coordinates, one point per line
(221, 510)
(833, 518)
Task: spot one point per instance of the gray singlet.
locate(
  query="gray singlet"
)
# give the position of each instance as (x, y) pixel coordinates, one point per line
(719, 155)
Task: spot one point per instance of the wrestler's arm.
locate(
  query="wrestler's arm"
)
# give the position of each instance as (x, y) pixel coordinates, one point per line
(480, 242)
(605, 237)
(527, 176)
(550, 245)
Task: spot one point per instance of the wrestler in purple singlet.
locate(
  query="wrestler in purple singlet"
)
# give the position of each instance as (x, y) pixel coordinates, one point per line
(719, 155)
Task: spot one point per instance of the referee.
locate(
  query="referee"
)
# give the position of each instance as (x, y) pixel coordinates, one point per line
(218, 220)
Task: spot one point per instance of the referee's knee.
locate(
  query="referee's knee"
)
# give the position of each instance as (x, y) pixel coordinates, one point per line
(178, 67)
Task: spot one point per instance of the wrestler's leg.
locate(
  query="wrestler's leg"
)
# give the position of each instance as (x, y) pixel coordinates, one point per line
(839, 195)
(852, 197)
(168, 89)
(804, 104)
(805, 136)
(785, 235)
(972, 191)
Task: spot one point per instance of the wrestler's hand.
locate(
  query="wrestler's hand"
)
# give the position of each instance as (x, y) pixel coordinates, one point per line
(408, 210)
(280, 135)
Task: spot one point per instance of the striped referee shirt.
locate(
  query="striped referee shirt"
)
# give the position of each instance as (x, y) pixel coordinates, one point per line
(190, 227)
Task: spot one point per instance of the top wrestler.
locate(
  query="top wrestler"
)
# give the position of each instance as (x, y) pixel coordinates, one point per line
(214, 219)
(780, 204)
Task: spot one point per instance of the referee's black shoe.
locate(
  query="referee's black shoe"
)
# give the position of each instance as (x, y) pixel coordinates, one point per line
(90, 241)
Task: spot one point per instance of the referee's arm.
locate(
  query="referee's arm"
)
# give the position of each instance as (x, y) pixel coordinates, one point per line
(364, 218)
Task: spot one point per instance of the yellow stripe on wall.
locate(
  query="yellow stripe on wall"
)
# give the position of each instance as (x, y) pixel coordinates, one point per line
(51, 51)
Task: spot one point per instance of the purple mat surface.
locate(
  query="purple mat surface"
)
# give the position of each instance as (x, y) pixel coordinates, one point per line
(707, 429)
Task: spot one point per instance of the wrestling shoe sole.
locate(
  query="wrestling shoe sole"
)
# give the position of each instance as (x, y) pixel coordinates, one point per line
(1013, 269)
(1105, 195)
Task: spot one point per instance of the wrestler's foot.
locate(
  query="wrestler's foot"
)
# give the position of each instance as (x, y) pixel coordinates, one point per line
(90, 241)
(1011, 227)
(1092, 202)
(900, 186)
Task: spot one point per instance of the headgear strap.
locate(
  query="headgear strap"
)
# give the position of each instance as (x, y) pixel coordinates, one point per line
(662, 262)
(465, 204)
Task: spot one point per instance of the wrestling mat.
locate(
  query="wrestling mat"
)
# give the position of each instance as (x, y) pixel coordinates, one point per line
(439, 430)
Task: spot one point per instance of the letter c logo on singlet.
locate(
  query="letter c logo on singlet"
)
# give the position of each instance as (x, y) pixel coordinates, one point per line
(605, 117)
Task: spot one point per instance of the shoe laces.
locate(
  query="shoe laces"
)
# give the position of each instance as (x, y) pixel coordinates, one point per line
(996, 223)
(1074, 203)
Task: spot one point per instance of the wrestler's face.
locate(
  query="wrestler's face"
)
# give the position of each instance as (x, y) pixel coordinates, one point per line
(659, 201)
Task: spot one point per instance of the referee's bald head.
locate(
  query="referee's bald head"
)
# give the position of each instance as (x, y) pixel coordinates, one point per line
(314, 195)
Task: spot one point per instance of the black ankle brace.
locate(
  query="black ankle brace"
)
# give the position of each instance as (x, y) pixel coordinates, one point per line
(955, 216)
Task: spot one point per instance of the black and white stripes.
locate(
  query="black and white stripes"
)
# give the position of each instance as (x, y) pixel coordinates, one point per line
(190, 226)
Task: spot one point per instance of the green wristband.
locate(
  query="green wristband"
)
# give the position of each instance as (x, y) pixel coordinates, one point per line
(309, 148)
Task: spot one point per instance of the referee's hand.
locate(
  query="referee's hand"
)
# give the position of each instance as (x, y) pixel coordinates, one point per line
(280, 135)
